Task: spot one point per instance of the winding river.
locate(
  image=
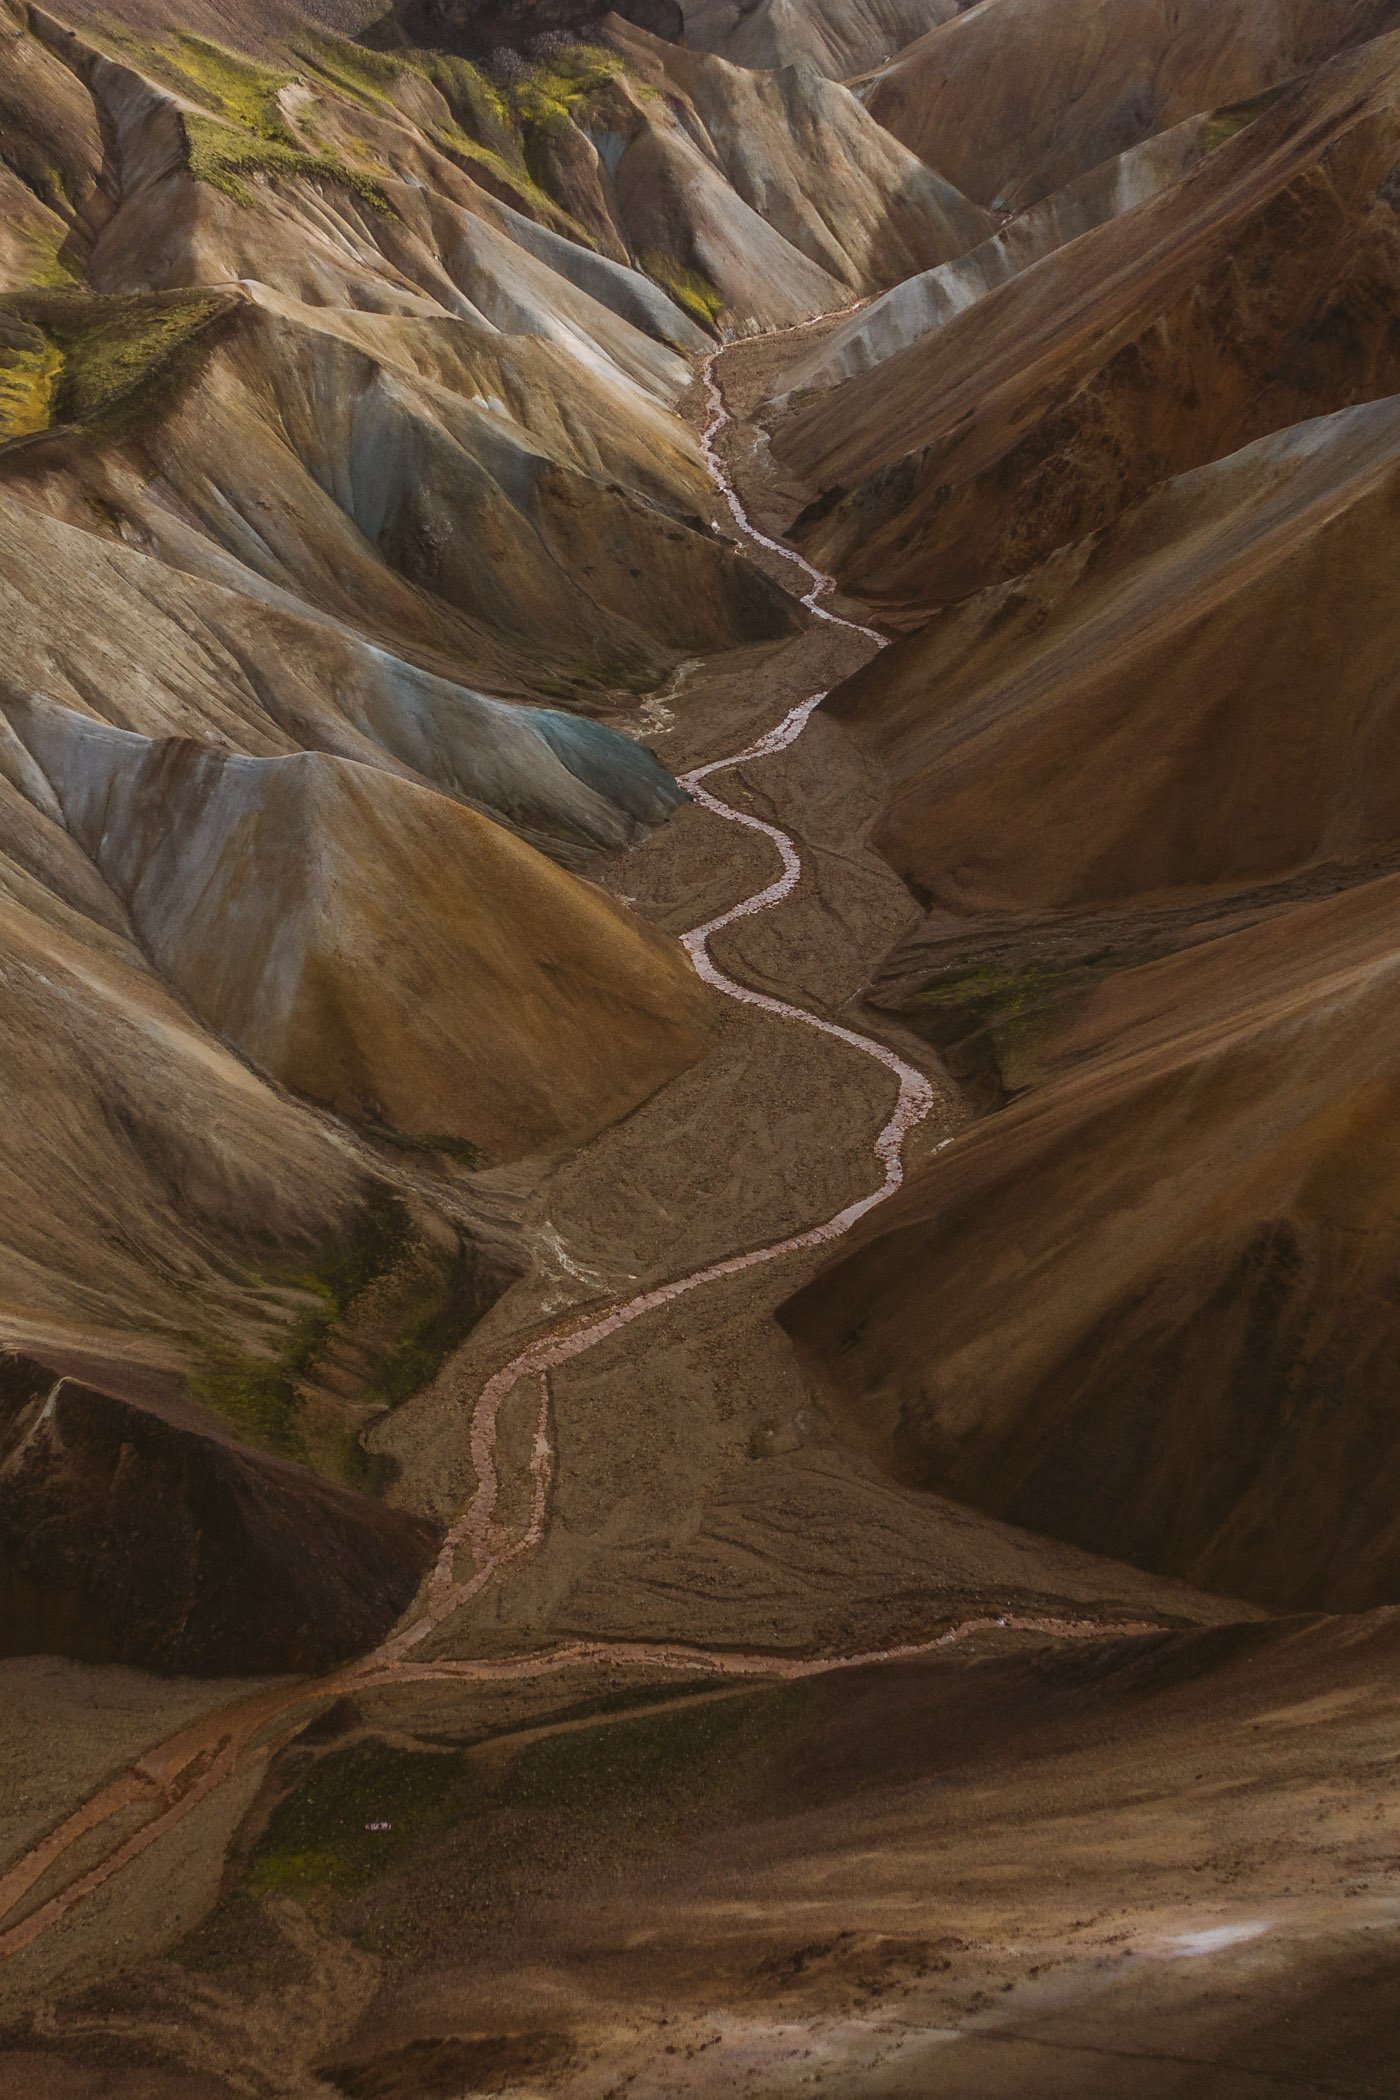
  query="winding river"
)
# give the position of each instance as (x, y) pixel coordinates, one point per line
(172, 1779)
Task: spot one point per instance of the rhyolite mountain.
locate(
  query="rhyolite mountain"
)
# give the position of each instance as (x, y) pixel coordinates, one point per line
(948, 1659)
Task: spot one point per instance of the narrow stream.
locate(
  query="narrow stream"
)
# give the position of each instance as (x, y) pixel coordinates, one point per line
(175, 1776)
(476, 1529)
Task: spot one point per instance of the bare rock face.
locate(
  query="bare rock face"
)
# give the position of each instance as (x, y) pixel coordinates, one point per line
(128, 1536)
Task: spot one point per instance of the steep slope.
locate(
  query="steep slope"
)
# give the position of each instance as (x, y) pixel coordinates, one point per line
(747, 168)
(129, 1536)
(528, 201)
(1212, 675)
(157, 1196)
(1253, 293)
(231, 661)
(1150, 1306)
(1146, 1306)
(179, 1235)
(329, 470)
(920, 304)
(1015, 98)
(374, 945)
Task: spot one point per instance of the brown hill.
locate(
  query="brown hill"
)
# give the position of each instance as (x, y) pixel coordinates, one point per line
(294, 573)
(1148, 1306)
(374, 945)
(1251, 294)
(127, 1536)
(1015, 98)
(918, 305)
(1212, 676)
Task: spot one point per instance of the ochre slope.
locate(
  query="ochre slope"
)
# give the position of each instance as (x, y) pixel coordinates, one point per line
(920, 304)
(236, 662)
(204, 1255)
(375, 945)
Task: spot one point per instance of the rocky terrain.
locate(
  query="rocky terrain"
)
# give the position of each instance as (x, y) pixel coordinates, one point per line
(698, 843)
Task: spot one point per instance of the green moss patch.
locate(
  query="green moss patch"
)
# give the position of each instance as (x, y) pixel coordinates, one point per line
(92, 361)
(354, 1816)
(245, 132)
(1015, 1010)
(550, 94)
(429, 1325)
(221, 154)
(382, 1309)
(692, 292)
(29, 367)
(260, 1394)
(117, 348)
(46, 267)
(351, 69)
(1224, 124)
(396, 1844)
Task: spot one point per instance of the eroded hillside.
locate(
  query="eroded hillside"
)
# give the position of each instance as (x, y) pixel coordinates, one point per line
(700, 1239)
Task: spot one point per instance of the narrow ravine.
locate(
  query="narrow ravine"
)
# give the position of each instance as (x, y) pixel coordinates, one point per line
(178, 1775)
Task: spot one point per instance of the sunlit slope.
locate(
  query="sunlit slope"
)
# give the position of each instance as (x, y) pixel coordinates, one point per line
(376, 946)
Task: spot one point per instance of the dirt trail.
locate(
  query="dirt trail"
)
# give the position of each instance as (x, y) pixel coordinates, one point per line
(175, 1777)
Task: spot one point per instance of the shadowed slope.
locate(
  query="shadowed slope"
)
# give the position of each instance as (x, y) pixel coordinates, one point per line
(1150, 1306)
(127, 1536)
(1213, 675)
(1256, 291)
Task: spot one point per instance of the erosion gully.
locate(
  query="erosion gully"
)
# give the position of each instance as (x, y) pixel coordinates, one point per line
(174, 1778)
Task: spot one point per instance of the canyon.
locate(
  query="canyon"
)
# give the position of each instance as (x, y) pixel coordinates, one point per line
(696, 858)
